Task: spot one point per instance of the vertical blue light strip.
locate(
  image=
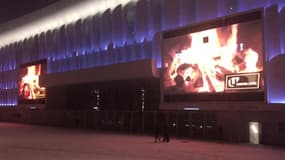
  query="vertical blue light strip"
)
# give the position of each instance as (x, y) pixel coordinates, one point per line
(282, 29)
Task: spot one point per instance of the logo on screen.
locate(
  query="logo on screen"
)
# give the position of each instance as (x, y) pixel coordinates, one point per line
(233, 81)
(242, 81)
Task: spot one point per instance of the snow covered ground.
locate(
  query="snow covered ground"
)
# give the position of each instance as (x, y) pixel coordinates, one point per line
(29, 142)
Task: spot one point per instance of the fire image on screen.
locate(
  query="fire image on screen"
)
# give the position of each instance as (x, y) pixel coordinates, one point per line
(29, 87)
(198, 61)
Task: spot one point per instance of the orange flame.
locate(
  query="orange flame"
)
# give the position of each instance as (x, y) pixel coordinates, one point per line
(206, 62)
(29, 85)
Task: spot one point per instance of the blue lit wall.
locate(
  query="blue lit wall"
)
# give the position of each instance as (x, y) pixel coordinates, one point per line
(129, 33)
(8, 77)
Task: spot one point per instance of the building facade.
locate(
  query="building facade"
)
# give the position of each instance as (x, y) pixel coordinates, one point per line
(103, 69)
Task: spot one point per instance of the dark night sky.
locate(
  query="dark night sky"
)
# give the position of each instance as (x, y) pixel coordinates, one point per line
(12, 9)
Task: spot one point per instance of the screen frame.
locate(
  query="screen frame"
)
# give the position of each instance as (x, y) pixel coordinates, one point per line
(22, 66)
(260, 96)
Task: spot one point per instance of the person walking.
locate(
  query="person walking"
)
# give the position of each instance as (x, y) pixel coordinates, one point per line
(157, 133)
(165, 134)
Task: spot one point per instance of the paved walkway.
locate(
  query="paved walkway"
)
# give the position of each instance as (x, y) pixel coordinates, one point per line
(27, 142)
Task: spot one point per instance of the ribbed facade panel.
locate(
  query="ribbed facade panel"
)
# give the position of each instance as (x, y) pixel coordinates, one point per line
(124, 34)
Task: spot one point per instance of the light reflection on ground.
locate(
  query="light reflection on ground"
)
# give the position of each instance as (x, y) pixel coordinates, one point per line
(27, 142)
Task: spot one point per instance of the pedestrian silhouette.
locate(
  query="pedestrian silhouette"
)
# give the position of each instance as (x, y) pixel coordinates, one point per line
(157, 133)
(165, 134)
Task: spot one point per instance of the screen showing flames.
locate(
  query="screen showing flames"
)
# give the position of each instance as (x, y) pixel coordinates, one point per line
(29, 88)
(197, 62)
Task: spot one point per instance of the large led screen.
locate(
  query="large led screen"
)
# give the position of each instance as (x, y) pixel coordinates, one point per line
(29, 87)
(198, 61)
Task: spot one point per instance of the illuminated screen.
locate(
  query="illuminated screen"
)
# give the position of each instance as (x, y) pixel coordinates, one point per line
(29, 87)
(198, 59)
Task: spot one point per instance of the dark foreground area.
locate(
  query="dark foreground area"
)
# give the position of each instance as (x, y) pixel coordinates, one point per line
(28, 142)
